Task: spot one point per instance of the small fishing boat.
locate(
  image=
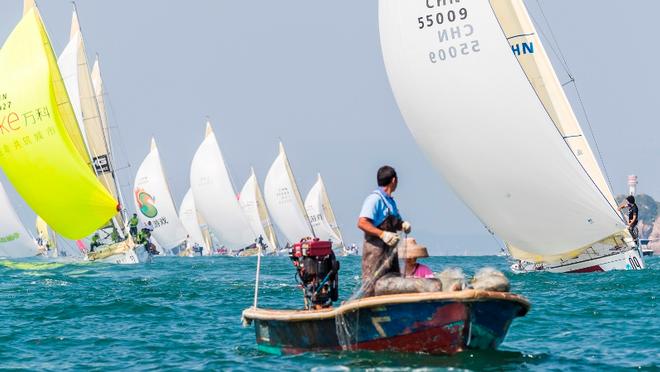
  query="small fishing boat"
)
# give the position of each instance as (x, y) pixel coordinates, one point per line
(434, 323)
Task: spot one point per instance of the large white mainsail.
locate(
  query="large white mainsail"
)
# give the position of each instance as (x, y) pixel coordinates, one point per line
(190, 220)
(15, 241)
(215, 197)
(255, 210)
(83, 96)
(321, 216)
(284, 201)
(153, 201)
(472, 109)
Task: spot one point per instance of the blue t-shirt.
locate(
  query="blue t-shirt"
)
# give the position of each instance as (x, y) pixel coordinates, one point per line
(377, 206)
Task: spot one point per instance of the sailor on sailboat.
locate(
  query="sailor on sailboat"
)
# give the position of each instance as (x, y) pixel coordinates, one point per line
(481, 98)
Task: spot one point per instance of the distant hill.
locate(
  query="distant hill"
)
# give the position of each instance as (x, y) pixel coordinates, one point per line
(649, 223)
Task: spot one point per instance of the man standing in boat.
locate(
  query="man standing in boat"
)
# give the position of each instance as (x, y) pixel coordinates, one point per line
(633, 215)
(380, 220)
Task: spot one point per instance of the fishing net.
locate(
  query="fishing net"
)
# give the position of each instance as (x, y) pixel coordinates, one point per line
(346, 325)
(449, 280)
(490, 279)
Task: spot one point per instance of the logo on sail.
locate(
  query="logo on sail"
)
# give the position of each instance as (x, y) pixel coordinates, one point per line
(146, 203)
(9, 238)
(102, 164)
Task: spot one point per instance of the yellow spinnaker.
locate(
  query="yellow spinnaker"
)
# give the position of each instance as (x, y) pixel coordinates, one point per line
(41, 149)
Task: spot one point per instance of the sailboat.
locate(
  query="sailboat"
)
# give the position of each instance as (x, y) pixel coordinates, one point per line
(254, 207)
(216, 198)
(41, 136)
(322, 217)
(86, 95)
(154, 204)
(482, 100)
(284, 201)
(190, 220)
(15, 240)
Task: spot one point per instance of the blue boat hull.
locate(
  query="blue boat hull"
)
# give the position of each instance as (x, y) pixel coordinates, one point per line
(402, 323)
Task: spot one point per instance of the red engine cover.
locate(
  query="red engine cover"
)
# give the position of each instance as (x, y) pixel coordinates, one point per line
(315, 248)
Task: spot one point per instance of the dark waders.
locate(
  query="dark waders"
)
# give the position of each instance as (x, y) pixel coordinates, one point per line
(378, 258)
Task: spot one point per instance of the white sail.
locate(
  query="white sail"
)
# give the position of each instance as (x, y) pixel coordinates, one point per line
(99, 93)
(255, 210)
(153, 201)
(82, 93)
(284, 201)
(215, 197)
(321, 215)
(527, 47)
(472, 109)
(190, 220)
(15, 241)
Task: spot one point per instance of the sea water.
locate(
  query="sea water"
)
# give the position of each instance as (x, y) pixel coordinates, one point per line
(185, 313)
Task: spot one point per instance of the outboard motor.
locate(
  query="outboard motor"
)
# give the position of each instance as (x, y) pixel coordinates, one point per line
(317, 272)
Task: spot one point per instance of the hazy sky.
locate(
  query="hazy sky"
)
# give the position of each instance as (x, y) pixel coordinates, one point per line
(311, 74)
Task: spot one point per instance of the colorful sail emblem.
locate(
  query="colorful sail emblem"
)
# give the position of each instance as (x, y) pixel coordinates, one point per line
(146, 203)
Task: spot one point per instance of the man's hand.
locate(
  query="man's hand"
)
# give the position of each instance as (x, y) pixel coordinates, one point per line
(406, 227)
(390, 238)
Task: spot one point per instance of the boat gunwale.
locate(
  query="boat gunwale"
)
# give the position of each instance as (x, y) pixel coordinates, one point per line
(468, 295)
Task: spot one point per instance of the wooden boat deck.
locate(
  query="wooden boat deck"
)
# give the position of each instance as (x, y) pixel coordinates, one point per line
(468, 295)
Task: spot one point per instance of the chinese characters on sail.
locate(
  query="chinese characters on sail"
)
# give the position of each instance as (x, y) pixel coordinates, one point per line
(19, 131)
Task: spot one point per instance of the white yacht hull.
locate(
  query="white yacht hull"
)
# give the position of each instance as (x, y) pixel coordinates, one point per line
(587, 262)
(130, 257)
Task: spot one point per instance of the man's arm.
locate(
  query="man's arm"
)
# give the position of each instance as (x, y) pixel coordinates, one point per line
(634, 219)
(365, 224)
